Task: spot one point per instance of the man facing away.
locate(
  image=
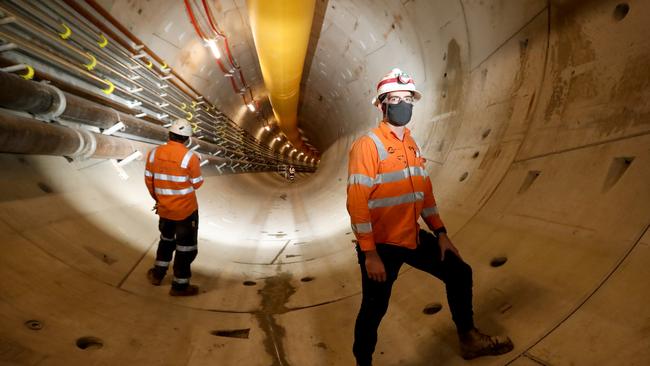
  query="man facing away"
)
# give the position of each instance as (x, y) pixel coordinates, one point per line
(172, 174)
(388, 190)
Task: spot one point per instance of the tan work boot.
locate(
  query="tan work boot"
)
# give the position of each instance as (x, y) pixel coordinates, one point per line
(476, 344)
(190, 290)
(151, 276)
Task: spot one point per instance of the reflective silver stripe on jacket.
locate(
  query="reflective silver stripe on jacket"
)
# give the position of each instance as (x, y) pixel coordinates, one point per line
(426, 212)
(170, 178)
(181, 280)
(165, 239)
(152, 155)
(394, 201)
(173, 192)
(161, 264)
(186, 159)
(196, 180)
(147, 173)
(387, 177)
(361, 179)
(186, 248)
(362, 228)
(381, 150)
(400, 174)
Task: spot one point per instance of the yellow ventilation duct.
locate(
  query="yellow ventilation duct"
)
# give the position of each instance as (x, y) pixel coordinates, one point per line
(281, 31)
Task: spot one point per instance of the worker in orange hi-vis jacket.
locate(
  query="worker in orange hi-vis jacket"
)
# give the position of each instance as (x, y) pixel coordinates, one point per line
(172, 174)
(388, 190)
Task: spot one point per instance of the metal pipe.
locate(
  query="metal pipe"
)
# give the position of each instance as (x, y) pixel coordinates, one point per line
(23, 135)
(29, 97)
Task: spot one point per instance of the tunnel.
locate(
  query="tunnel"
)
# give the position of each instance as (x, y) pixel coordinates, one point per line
(534, 125)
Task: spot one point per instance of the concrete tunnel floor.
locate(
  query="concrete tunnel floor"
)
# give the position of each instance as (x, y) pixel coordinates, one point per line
(539, 154)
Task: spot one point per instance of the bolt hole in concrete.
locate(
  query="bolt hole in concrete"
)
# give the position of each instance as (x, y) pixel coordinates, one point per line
(232, 333)
(498, 261)
(432, 308)
(34, 324)
(620, 11)
(528, 181)
(44, 187)
(89, 343)
(463, 177)
(250, 283)
(307, 279)
(523, 44)
(475, 155)
(617, 168)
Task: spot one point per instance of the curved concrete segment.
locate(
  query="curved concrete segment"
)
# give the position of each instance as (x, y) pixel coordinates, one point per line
(535, 124)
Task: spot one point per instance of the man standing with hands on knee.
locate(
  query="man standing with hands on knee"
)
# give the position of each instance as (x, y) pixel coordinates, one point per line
(388, 190)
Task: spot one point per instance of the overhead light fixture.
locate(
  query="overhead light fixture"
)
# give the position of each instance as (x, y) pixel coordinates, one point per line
(213, 47)
(267, 127)
(251, 107)
(278, 138)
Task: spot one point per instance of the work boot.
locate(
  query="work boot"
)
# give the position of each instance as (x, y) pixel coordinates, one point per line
(153, 279)
(190, 290)
(476, 344)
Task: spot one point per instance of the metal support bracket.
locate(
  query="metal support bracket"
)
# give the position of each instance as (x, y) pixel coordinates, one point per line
(119, 126)
(118, 165)
(58, 104)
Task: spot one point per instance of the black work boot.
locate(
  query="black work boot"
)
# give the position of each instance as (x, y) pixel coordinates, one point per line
(476, 344)
(190, 290)
(153, 278)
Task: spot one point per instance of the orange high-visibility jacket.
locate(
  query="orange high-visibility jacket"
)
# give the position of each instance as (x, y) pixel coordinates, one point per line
(388, 189)
(172, 174)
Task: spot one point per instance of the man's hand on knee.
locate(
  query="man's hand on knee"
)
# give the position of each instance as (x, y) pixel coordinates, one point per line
(445, 245)
(374, 266)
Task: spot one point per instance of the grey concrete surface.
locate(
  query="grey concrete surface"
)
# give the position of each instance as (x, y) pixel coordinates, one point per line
(535, 124)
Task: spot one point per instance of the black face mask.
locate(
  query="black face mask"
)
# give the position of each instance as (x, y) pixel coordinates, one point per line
(399, 114)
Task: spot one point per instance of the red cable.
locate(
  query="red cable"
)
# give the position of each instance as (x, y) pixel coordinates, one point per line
(216, 30)
(212, 24)
(188, 7)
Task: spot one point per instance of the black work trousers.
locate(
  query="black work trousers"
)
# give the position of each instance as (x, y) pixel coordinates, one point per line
(180, 236)
(456, 274)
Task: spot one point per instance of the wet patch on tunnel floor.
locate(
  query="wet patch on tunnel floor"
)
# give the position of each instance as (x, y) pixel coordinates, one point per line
(275, 294)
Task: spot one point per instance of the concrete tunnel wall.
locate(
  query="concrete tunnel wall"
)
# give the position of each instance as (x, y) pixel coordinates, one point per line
(535, 123)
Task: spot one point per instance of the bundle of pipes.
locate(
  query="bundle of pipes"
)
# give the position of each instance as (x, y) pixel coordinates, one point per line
(127, 86)
(25, 135)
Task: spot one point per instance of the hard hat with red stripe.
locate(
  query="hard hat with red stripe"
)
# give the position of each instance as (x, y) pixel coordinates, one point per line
(395, 80)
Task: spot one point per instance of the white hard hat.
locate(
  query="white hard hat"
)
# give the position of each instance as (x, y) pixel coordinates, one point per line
(395, 80)
(181, 127)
